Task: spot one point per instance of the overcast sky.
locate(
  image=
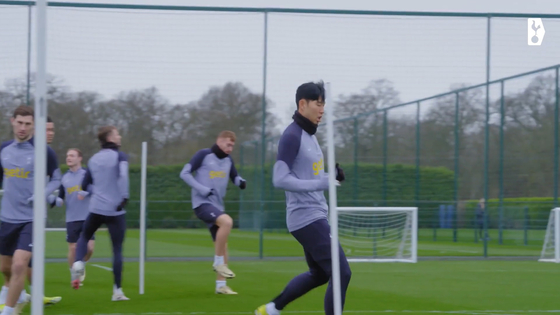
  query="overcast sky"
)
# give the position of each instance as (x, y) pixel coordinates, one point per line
(184, 53)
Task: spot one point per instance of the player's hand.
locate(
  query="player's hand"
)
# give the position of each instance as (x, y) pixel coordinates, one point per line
(29, 201)
(122, 205)
(80, 197)
(339, 173)
(51, 199)
(242, 184)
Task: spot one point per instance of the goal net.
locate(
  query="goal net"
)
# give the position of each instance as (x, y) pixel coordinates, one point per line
(551, 247)
(378, 234)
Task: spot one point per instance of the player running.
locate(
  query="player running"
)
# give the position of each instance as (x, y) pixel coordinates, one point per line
(76, 210)
(16, 215)
(108, 173)
(213, 167)
(299, 170)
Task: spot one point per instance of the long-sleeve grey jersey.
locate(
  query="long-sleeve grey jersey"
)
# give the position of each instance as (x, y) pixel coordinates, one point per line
(209, 184)
(299, 170)
(108, 173)
(76, 209)
(17, 170)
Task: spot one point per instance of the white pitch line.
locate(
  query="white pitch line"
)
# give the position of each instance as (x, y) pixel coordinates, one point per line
(111, 269)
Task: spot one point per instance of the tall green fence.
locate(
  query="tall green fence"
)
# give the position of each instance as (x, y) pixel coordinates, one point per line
(442, 154)
(175, 76)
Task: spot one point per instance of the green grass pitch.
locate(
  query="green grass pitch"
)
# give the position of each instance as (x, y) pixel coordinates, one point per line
(187, 287)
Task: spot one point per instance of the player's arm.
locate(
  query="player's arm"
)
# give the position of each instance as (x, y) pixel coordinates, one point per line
(57, 201)
(123, 180)
(234, 176)
(53, 172)
(282, 176)
(194, 164)
(4, 144)
(87, 185)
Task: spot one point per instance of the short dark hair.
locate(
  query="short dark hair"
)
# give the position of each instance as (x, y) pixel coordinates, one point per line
(49, 119)
(24, 110)
(310, 91)
(103, 133)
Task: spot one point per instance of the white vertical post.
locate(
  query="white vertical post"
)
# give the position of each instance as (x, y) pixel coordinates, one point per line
(329, 111)
(557, 235)
(414, 236)
(39, 179)
(143, 215)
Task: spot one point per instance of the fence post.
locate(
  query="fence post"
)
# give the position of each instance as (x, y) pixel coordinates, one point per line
(501, 183)
(556, 113)
(487, 136)
(435, 221)
(263, 132)
(456, 168)
(29, 17)
(355, 179)
(385, 135)
(525, 225)
(417, 158)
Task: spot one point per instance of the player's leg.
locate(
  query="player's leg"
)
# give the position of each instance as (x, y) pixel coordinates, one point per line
(299, 285)
(8, 245)
(90, 248)
(224, 223)
(213, 216)
(322, 255)
(315, 239)
(6, 268)
(17, 282)
(72, 236)
(345, 275)
(221, 283)
(17, 300)
(117, 229)
(73, 232)
(92, 223)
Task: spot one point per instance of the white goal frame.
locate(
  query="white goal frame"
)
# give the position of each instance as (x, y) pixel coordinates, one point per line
(554, 215)
(413, 232)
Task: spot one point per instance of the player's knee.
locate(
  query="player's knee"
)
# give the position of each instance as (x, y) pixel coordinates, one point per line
(225, 221)
(319, 276)
(19, 267)
(345, 273)
(72, 247)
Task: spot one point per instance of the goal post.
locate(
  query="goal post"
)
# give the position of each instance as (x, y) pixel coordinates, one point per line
(551, 245)
(379, 234)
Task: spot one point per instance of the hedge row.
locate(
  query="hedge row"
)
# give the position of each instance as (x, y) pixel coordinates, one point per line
(169, 197)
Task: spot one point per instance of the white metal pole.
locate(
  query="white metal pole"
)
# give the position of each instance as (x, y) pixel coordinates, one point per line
(557, 235)
(414, 236)
(143, 215)
(329, 111)
(39, 180)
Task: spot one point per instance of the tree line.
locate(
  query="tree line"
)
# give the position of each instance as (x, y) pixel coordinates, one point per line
(176, 131)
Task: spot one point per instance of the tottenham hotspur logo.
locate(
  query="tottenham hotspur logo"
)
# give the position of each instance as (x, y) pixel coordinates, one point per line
(535, 32)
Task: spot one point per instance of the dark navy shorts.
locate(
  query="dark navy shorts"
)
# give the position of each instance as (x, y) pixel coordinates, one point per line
(315, 239)
(73, 230)
(14, 236)
(209, 214)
